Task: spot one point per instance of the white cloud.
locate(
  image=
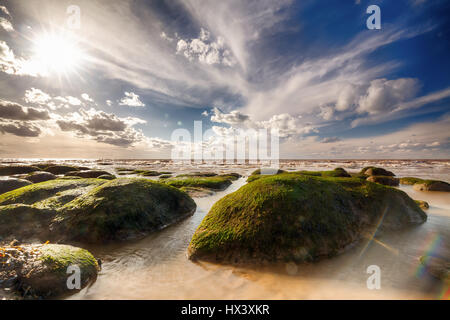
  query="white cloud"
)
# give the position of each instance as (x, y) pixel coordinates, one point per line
(383, 95)
(11, 64)
(102, 127)
(131, 99)
(86, 97)
(205, 50)
(6, 24)
(37, 96)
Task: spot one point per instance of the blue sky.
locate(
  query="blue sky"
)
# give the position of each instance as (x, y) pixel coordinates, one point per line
(134, 71)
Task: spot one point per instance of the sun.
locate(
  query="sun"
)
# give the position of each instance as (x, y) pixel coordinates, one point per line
(57, 53)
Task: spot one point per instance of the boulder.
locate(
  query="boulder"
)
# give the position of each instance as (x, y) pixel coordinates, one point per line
(10, 170)
(107, 177)
(410, 180)
(375, 171)
(432, 185)
(87, 173)
(294, 217)
(42, 271)
(215, 183)
(12, 184)
(40, 176)
(385, 180)
(60, 169)
(91, 210)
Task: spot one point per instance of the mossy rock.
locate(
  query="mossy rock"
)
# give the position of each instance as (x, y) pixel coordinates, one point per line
(34, 194)
(215, 183)
(60, 169)
(42, 271)
(437, 267)
(410, 180)
(12, 184)
(10, 170)
(294, 217)
(422, 204)
(40, 176)
(122, 209)
(337, 173)
(375, 171)
(165, 176)
(107, 177)
(87, 173)
(197, 174)
(432, 185)
(385, 180)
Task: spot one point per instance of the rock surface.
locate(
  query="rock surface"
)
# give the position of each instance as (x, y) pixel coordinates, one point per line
(60, 169)
(7, 185)
(294, 217)
(375, 171)
(41, 271)
(40, 176)
(385, 180)
(10, 170)
(87, 173)
(432, 185)
(91, 210)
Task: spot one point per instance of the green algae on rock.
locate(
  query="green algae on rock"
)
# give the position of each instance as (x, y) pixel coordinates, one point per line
(91, 210)
(422, 204)
(432, 185)
(42, 271)
(215, 183)
(410, 180)
(107, 177)
(385, 180)
(122, 209)
(295, 217)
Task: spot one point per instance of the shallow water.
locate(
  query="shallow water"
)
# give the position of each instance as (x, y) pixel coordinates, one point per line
(157, 267)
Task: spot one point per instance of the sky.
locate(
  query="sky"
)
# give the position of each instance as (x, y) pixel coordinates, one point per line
(115, 79)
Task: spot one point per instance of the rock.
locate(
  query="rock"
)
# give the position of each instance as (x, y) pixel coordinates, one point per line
(107, 177)
(432, 185)
(12, 184)
(374, 171)
(410, 180)
(338, 173)
(26, 213)
(60, 169)
(437, 267)
(215, 183)
(91, 210)
(294, 217)
(122, 209)
(165, 176)
(40, 176)
(385, 180)
(10, 170)
(41, 271)
(422, 204)
(87, 173)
